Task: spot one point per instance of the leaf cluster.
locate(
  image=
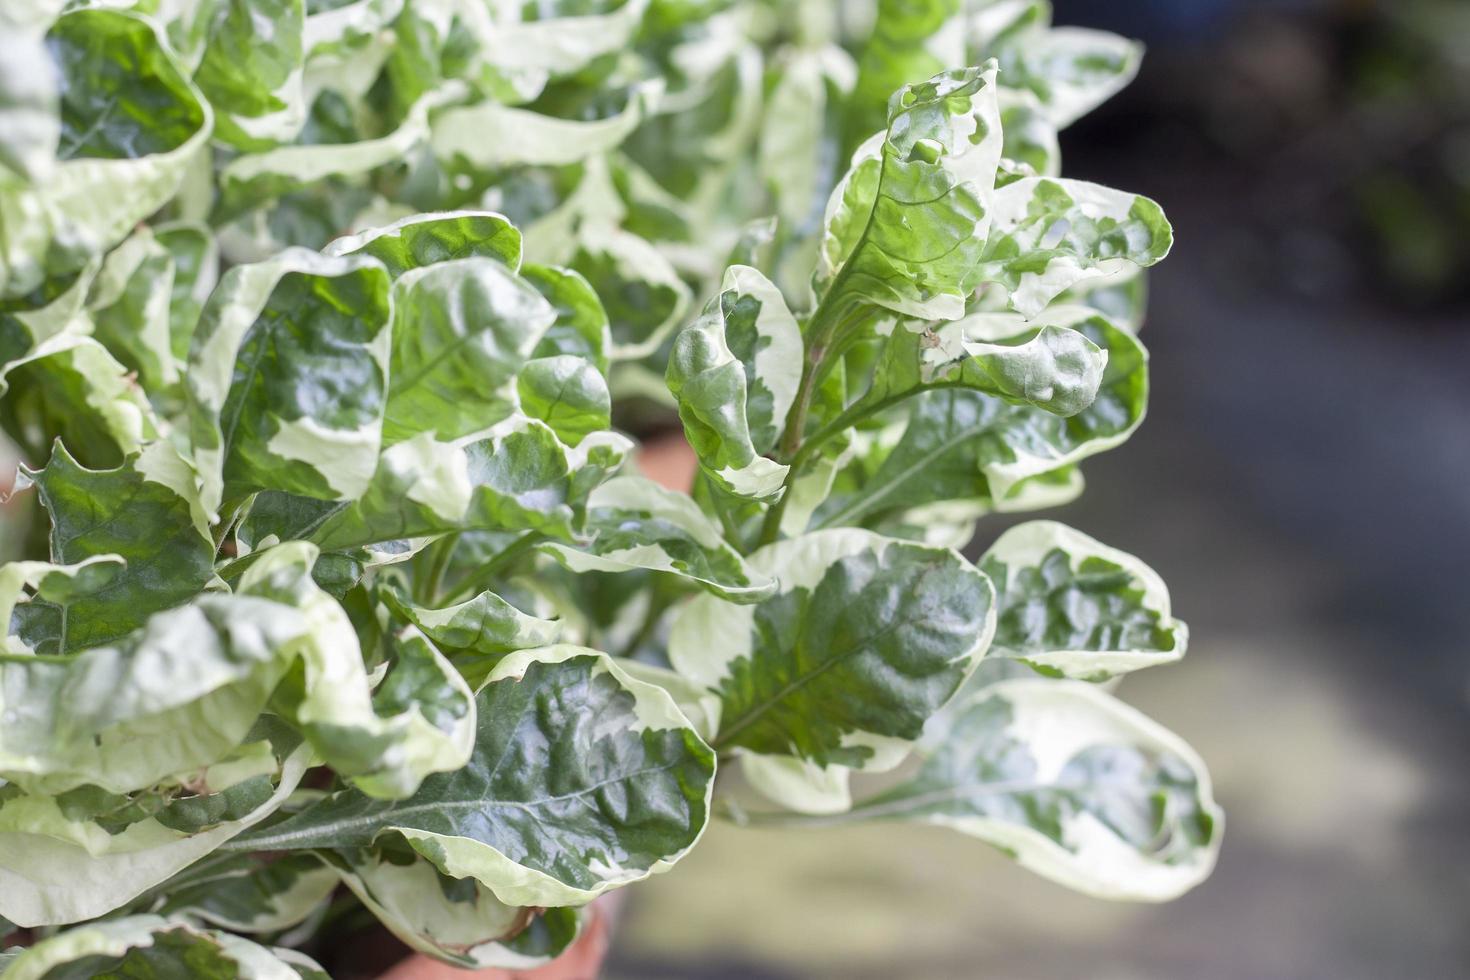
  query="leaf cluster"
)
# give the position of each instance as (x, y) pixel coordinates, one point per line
(343, 588)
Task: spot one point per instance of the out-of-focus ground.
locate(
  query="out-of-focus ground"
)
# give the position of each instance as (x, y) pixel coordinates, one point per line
(1303, 485)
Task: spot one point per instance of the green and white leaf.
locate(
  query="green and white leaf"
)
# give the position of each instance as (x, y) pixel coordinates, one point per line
(865, 638)
(735, 373)
(991, 454)
(463, 330)
(596, 780)
(635, 523)
(1049, 234)
(905, 227)
(132, 122)
(244, 893)
(1072, 783)
(288, 377)
(459, 921)
(488, 134)
(150, 946)
(427, 239)
(251, 70)
(517, 476)
(1071, 606)
(477, 633)
(57, 869)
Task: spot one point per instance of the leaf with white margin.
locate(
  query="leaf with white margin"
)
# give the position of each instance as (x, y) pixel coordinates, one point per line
(462, 331)
(641, 291)
(581, 326)
(799, 132)
(55, 870)
(427, 239)
(244, 893)
(489, 135)
(1071, 70)
(477, 633)
(129, 306)
(700, 705)
(635, 523)
(1054, 368)
(195, 255)
(735, 372)
(905, 227)
(964, 445)
(1047, 234)
(910, 40)
(556, 45)
(1072, 607)
(176, 695)
(71, 388)
(459, 921)
(1031, 147)
(1121, 296)
(255, 179)
(1072, 783)
(56, 585)
(419, 719)
(865, 638)
(583, 780)
(131, 124)
(516, 477)
(287, 378)
(252, 77)
(568, 393)
(150, 946)
(147, 513)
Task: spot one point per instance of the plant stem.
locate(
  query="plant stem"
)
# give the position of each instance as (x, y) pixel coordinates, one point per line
(658, 604)
(426, 588)
(474, 583)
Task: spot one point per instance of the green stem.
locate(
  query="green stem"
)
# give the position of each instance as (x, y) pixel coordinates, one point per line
(658, 604)
(426, 588)
(478, 580)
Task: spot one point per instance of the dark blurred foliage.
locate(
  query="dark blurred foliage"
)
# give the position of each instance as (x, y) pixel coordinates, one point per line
(1340, 129)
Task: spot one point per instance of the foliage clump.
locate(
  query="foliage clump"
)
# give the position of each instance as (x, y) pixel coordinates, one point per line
(343, 587)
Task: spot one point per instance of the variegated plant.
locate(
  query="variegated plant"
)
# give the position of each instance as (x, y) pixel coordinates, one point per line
(340, 585)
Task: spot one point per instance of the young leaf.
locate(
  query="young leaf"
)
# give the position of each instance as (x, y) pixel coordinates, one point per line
(428, 239)
(735, 373)
(1074, 784)
(1073, 607)
(1048, 234)
(568, 393)
(635, 523)
(905, 227)
(516, 477)
(253, 78)
(131, 124)
(287, 378)
(582, 780)
(463, 330)
(865, 638)
(911, 40)
(145, 512)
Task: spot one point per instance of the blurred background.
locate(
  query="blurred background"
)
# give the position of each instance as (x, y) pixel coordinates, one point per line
(1302, 484)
